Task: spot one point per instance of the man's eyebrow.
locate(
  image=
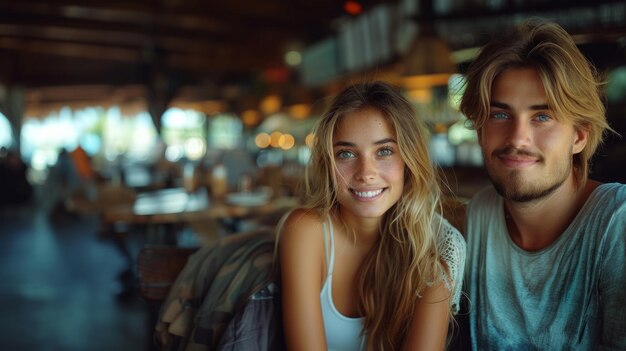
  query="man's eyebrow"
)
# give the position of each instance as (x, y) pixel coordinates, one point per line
(507, 107)
(499, 105)
(377, 142)
(540, 107)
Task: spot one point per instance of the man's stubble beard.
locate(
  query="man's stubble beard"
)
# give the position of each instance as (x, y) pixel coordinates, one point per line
(516, 189)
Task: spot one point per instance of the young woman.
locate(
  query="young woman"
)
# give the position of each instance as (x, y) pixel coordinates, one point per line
(368, 263)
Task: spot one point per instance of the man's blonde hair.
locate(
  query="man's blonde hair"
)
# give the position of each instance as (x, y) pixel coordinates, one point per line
(570, 81)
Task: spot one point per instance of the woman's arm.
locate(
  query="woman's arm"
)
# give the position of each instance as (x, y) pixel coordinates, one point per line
(429, 326)
(301, 253)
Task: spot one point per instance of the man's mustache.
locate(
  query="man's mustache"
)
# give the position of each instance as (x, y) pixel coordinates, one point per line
(512, 151)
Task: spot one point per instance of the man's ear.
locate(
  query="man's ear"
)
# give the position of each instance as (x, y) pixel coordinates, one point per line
(479, 135)
(580, 138)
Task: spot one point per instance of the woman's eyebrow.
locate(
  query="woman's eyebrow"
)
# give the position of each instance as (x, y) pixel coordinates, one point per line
(344, 143)
(377, 142)
(385, 141)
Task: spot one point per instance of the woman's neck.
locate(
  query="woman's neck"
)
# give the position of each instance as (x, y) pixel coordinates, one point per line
(367, 230)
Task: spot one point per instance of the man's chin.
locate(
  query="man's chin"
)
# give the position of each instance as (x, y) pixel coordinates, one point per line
(522, 191)
(514, 187)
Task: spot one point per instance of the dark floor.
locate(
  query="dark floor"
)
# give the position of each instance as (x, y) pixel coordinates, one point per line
(58, 286)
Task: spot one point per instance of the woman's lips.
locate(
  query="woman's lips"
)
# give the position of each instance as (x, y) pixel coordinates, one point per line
(367, 194)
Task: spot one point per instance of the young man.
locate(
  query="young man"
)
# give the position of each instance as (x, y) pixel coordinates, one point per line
(546, 245)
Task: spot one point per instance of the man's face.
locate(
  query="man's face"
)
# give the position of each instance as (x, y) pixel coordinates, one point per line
(527, 152)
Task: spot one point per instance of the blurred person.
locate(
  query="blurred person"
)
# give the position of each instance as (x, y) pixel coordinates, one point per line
(368, 263)
(14, 186)
(82, 163)
(546, 244)
(163, 170)
(63, 181)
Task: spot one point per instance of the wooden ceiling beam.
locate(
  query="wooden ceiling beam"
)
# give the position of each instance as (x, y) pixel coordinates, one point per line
(114, 38)
(208, 19)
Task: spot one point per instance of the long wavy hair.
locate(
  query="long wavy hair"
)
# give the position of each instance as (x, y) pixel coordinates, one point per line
(572, 85)
(406, 257)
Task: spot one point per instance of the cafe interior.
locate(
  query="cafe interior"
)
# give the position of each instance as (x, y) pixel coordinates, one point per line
(126, 126)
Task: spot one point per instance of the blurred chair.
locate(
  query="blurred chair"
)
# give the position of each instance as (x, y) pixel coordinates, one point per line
(206, 230)
(454, 211)
(157, 269)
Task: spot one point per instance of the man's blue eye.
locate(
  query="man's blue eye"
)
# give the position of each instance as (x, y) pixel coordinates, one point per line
(543, 118)
(500, 115)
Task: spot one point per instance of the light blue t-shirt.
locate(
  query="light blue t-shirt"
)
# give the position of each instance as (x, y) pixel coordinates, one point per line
(570, 295)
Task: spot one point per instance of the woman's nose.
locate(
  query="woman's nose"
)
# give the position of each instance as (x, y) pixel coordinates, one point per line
(366, 168)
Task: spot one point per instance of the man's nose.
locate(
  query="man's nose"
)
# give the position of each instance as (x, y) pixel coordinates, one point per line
(520, 133)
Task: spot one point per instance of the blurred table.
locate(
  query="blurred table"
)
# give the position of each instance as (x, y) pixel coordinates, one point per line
(177, 206)
(170, 202)
(162, 213)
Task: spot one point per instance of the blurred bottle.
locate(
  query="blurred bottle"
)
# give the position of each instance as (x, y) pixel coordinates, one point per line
(245, 183)
(189, 177)
(219, 181)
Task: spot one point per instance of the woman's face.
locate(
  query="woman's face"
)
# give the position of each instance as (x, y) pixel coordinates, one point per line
(369, 169)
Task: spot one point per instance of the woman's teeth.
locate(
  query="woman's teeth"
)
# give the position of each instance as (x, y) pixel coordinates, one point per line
(367, 194)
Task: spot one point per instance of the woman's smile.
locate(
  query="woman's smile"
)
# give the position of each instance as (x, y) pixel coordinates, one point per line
(368, 195)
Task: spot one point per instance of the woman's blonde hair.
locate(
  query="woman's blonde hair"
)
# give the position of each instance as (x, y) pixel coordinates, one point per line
(406, 257)
(570, 81)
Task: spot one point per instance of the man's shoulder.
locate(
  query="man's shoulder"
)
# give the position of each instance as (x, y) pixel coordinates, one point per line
(614, 189)
(604, 215)
(609, 198)
(485, 198)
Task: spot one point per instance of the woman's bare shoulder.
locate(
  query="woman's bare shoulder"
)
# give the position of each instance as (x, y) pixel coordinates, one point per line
(303, 225)
(302, 219)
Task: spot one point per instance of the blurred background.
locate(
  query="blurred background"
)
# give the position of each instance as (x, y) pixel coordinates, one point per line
(103, 102)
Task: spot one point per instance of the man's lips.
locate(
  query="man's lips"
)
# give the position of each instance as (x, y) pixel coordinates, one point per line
(516, 158)
(517, 162)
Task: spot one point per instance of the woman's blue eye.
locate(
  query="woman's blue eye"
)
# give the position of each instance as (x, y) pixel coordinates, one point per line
(385, 152)
(345, 154)
(500, 115)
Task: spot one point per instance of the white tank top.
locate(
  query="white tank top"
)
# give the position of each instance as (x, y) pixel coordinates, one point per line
(342, 333)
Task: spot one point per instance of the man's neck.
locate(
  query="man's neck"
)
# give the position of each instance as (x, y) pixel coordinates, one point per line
(537, 224)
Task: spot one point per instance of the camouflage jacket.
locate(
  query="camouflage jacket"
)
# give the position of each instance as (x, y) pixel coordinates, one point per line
(225, 298)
